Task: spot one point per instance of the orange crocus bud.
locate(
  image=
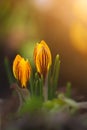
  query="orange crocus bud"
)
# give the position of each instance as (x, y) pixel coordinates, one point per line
(42, 58)
(21, 70)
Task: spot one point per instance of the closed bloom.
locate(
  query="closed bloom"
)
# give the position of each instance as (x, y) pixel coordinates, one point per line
(42, 58)
(21, 70)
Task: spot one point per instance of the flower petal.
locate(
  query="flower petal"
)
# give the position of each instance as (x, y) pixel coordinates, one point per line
(21, 70)
(42, 57)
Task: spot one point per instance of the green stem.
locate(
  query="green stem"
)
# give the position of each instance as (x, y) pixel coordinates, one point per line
(45, 89)
(55, 75)
(31, 84)
(68, 90)
(49, 83)
(8, 71)
(41, 86)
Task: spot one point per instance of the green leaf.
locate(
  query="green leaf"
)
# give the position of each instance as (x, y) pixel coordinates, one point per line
(48, 105)
(8, 71)
(37, 88)
(41, 86)
(55, 75)
(49, 84)
(68, 90)
(31, 81)
(68, 101)
(31, 105)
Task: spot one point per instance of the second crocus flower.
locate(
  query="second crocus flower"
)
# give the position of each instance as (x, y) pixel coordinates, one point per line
(42, 58)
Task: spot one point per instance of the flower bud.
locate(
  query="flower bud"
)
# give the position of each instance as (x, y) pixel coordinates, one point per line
(21, 70)
(42, 58)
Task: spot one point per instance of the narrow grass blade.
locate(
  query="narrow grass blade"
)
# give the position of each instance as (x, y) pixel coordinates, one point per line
(41, 86)
(31, 82)
(8, 71)
(49, 83)
(68, 90)
(55, 75)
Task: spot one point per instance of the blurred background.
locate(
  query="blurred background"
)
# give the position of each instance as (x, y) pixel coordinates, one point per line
(63, 26)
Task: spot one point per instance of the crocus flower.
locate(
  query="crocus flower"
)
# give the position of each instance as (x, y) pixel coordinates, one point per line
(42, 58)
(21, 70)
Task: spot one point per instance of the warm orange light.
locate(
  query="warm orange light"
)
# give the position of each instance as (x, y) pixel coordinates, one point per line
(78, 35)
(80, 10)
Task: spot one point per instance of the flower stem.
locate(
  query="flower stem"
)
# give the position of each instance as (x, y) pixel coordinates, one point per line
(8, 70)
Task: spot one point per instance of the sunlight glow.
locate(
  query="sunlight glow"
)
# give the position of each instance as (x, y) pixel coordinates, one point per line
(43, 5)
(80, 10)
(78, 36)
(78, 29)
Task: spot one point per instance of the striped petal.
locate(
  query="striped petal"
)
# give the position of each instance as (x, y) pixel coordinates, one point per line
(42, 58)
(21, 70)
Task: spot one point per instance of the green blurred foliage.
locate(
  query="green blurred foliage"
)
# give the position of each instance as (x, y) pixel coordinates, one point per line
(33, 104)
(27, 49)
(16, 21)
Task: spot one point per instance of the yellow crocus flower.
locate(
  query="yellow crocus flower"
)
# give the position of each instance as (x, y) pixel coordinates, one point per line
(42, 58)
(21, 70)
